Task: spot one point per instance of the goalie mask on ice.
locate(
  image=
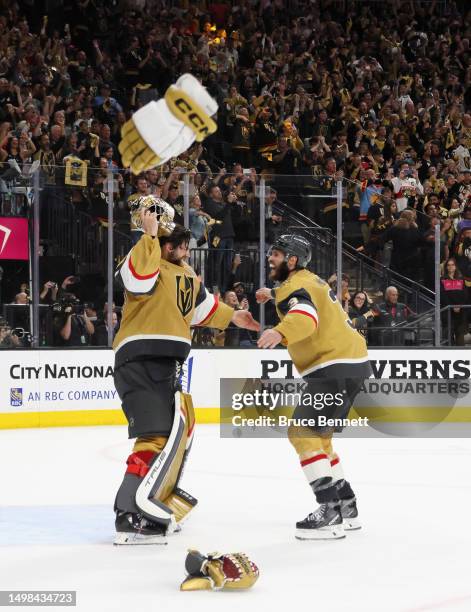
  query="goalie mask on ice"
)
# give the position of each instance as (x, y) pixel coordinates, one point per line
(165, 213)
(218, 572)
(156, 493)
(161, 130)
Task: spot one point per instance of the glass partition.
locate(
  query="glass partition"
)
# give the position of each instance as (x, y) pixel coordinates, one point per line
(78, 229)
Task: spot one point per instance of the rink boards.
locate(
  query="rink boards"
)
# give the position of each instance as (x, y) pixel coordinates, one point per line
(48, 388)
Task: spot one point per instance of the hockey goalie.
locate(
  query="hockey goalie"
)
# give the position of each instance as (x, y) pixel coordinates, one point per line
(163, 299)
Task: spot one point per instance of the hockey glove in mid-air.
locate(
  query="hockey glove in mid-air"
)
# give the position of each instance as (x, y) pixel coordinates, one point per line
(217, 571)
(166, 128)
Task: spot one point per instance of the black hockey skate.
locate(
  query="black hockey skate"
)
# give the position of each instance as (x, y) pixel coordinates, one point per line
(134, 528)
(323, 524)
(349, 511)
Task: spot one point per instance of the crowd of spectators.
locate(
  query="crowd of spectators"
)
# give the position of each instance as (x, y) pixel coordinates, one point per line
(309, 92)
(65, 319)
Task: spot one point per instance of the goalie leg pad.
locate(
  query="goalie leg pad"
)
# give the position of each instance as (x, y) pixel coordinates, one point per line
(158, 496)
(137, 467)
(180, 503)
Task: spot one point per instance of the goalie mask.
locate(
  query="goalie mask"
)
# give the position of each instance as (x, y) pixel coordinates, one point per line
(165, 213)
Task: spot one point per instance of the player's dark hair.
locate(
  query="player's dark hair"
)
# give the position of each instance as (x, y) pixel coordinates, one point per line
(180, 235)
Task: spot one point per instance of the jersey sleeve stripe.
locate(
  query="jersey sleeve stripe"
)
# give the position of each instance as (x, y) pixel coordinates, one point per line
(141, 276)
(305, 310)
(205, 309)
(131, 280)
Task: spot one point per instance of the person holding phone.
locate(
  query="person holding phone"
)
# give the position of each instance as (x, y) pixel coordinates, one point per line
(200, 223)
(221, 238)
(49, 291)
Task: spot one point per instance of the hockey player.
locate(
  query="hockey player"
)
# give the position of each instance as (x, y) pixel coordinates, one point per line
(163, 298)
(332, 358)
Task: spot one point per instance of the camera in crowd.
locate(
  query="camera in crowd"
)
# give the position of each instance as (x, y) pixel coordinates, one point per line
(68, 305)
(13, 337)
(23, 335)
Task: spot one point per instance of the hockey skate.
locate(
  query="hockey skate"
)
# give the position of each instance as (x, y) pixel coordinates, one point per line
(323, 524)
(135, 529)
(349, 512)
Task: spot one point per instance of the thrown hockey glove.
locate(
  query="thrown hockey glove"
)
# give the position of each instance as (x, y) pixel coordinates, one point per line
(217, 571)
(164, 129)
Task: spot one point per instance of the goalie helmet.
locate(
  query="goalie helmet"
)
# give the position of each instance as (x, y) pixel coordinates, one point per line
(165, 213)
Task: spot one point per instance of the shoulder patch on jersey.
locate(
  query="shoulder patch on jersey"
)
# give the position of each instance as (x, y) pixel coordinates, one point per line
(298, 296)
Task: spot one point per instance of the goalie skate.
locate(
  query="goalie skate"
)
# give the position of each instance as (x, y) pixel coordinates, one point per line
(132, 529)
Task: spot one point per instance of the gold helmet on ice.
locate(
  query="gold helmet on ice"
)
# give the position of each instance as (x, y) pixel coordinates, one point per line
(165, 213)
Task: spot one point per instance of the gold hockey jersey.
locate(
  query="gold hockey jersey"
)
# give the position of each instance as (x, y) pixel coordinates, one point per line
(316, 329)
(162, 301)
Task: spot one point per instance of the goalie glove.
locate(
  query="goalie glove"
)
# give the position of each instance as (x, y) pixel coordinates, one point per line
(164, 129)
(217, 571)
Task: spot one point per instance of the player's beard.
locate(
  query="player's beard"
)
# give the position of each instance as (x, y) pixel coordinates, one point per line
(173, 258)
(280, 273)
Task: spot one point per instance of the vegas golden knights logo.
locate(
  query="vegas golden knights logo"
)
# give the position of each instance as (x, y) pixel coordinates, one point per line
(185, 291)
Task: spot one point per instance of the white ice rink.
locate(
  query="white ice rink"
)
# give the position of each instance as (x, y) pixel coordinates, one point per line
(414, 554)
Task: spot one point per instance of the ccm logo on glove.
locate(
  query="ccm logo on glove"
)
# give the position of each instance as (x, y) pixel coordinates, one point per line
(190, 113)
(195, 119)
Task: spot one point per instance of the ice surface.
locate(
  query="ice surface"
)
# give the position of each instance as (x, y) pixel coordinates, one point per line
(413, 555)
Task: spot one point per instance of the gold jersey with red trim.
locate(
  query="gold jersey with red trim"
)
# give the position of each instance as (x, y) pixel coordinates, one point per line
(316, 329)
(162, 301)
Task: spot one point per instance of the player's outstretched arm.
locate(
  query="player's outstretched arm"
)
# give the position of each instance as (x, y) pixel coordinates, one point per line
(244, 319)
(166, 128)
(269, 339)
(264, 295)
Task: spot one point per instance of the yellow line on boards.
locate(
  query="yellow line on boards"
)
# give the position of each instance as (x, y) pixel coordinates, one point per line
(73, 418)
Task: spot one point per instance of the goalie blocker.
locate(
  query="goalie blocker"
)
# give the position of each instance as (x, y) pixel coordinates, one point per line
(150, 485)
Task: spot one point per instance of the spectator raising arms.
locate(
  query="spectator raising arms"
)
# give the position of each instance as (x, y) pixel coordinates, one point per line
(309, 93)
